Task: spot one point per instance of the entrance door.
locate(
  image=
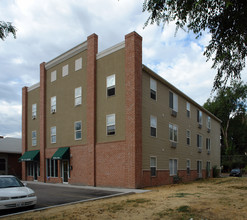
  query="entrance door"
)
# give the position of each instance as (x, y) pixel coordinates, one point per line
(35, 167)
(65, 171)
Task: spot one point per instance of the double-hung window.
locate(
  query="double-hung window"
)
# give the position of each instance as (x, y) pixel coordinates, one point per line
(173, 101)
(51, 168)
(173, 133)
(53, 134)
(188, 167)
(209, 123)
(199, 117)
(188, 109)
(110, 85)
(34, 111)
(188, 137)
(153, 166)
(53, 104)
(65, 70)
(78, 130)
(153, 89)
(34, 138)
(153, 125)
(173, 167)
(78, 96)
(208, 144)
(110, 124)
(78, 64)
(53, 75)
(199, 141)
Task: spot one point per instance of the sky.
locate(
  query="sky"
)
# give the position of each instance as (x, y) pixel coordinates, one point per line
(48, 28)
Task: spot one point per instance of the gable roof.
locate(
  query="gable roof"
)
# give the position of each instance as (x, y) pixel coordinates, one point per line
(10, 145)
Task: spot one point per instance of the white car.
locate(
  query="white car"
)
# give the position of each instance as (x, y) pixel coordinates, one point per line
(15, 194)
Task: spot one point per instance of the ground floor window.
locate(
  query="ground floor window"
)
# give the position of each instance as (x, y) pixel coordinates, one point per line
(173, 167)
(188, 167)
(51, 168)
(30, 168)
(208, 169)
(153, 165)
(199, 168)
(2, 166)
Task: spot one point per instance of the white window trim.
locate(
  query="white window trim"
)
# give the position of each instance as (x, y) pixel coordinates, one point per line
(209, 122)
(113, 85)
(173, 131)
(53, 76)
(78, 64)
(173, 173)
(34, 111)
(65, 70)
(175, 101)
(52, 135)
(77, 130)
(110, 124)
(200, 120)
(154, 165)
(155, 118)
(154, 87)
(34, 139)
(188, 109)
(208, 144)
(188, 137)
(200, 147)
(53, 106)
(78, 97)
(201, 167)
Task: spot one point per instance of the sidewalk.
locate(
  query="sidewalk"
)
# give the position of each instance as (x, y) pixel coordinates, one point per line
(122, 190)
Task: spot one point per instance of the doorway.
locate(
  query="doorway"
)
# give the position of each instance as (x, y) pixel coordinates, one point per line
(65, 165)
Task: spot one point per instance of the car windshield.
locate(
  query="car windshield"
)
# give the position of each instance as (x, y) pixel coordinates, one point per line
(235, 170)
(6, 182)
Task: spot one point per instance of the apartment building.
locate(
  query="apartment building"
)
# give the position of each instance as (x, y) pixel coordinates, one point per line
(105, 119)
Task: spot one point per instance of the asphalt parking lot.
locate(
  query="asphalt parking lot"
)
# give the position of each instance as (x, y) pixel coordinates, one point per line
(58, 194)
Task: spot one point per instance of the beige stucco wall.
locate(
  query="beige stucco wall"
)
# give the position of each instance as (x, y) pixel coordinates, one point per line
(33, 124)
(160, 146)
(113, 63)
(66, 111)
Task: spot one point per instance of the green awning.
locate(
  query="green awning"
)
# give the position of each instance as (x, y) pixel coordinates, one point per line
(61, 153)
(32, 155)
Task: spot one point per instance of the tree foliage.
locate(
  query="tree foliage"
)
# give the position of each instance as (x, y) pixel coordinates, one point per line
(226, 21)
(6, 28)
(230, 105)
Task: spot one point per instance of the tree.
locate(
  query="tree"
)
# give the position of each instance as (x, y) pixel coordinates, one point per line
(229, 105)
(226, 21)
(6, 28)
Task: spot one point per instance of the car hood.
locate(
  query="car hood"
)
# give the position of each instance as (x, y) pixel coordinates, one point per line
(15, 191)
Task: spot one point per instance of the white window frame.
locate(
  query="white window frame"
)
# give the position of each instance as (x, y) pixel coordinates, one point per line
(51, 168)
(208, 144)
(111, 84)
(34, 138)
(153, 124)
(78, 96)
(34, 111)
(153, 88)
(208, 168)
(65, 70)
(173, 167)
(209, 122)
(173, 104)
(188, 109)
(153, 165)
(173, 132)
(199, 141)
(199, 168)
(76, 131)
(188, 165)
(78, 64)
(188, 137)
(53, 134)
(110, 121)
(53, 76)
(53, 104)
(199, 116)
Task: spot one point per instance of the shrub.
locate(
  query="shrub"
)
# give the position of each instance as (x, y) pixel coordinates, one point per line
(216, 172)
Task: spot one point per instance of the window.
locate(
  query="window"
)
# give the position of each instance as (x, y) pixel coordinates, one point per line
(153, 166)
(153, 125)
(65, 70)
(188, 137)
(208, 169)
(199, 141)
(110, 84)
(34, 111)
(199, 168)
(53, 104)
(78, 130)
(188, 109)
(78, 64)
(34, 138)
(209, 123)
(110, 124)
(2, 165)
(51, 168)
(173, 166)
(208, 144)
(53, 134)
(53, 75)
(173, 101)
(153, 88)
(78, 96)
(30, 168)
(199, 117)
(173, 132)
(188, 167)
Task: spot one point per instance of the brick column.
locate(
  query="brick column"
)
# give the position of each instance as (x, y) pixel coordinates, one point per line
(92, 50)
(133, 86)
(24, 129)
(42, 111)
